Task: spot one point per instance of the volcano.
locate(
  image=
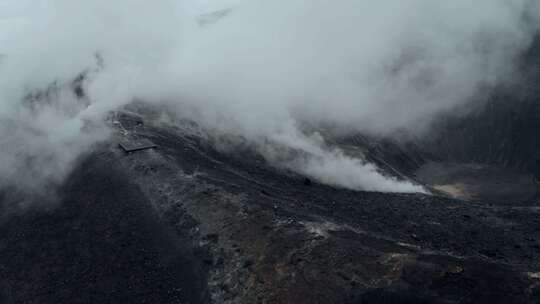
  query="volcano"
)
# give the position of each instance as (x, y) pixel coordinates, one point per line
(167, 211)
(186, 222)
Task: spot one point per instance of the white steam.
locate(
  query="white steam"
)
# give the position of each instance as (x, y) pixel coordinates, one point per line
(254, 68)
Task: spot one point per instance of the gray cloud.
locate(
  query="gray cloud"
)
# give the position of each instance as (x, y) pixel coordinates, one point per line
(260, 71)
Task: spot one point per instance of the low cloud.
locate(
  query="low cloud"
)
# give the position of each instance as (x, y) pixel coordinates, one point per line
(257, 69)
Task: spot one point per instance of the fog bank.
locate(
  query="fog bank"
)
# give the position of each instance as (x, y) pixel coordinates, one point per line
(257, 69)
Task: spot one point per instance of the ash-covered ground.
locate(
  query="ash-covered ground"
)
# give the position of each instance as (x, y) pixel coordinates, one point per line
(187, 223)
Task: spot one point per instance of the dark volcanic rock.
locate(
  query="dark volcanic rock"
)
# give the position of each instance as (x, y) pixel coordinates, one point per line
(186, 223)
(104, 244)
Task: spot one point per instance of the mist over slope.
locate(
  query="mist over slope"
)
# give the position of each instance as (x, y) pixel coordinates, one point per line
(272, 73)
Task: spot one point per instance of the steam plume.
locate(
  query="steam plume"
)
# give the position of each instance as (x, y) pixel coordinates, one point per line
(256, 69)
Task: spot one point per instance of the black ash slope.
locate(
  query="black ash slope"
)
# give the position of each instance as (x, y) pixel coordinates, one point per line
(186, 223)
